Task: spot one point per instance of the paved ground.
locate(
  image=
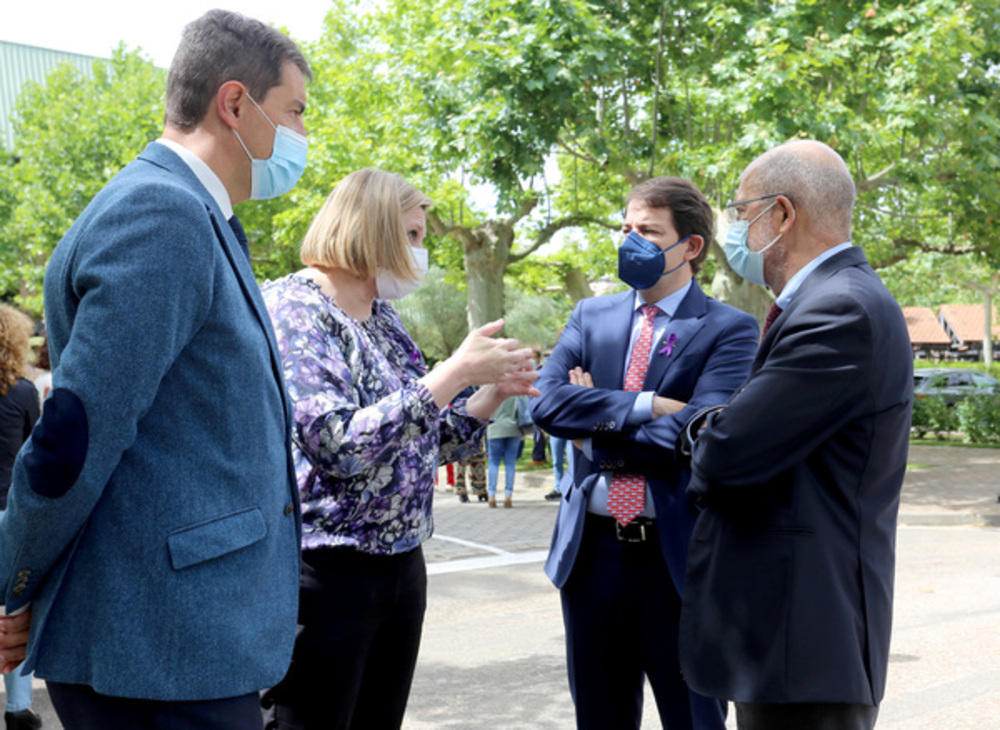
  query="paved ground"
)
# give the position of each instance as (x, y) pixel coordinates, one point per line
(492, 653)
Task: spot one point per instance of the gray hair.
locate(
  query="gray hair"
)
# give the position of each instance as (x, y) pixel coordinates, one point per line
(222, 46)
(813, 175)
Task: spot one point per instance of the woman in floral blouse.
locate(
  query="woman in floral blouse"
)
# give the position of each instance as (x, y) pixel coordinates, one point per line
(371, 425)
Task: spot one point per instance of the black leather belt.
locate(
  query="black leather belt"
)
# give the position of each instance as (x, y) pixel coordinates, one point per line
(640, 529)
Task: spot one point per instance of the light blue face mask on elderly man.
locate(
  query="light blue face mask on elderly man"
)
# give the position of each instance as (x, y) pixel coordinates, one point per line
(278, 173)
(748, 264)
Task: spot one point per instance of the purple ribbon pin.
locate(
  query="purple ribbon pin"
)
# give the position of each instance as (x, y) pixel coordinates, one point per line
(668, 345)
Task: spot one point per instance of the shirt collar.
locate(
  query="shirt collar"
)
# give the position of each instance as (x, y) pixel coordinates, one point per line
(796, 281)
(669, 304)
(204, 174)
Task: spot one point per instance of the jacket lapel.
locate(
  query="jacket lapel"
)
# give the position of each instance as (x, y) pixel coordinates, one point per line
(853, 256)
(164, 157)
(684, 326)
(607, 348)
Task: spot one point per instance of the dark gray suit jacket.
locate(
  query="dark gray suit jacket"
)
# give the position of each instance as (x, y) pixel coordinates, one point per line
(788, 594)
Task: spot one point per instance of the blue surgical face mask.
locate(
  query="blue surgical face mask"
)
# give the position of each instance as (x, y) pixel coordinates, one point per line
(278, 173)
(748, 264)
(641, 262)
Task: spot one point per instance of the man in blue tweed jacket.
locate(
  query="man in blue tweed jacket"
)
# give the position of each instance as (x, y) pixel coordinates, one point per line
(153, 522)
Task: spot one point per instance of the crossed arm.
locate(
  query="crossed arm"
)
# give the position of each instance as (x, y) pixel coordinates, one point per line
(661, 406)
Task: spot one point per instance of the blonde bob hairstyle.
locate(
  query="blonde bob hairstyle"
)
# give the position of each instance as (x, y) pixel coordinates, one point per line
(15, 329)
(360, 226)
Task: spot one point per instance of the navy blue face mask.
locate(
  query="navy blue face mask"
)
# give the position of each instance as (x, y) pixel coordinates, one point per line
(641, 262)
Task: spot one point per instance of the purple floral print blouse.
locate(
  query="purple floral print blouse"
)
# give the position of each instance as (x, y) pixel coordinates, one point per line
(367, 434)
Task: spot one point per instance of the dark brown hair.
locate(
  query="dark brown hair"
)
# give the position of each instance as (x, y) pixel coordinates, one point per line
(222, 46)
(691, 212)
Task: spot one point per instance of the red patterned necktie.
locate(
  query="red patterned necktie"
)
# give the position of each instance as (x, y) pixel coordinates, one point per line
(627, 494)
(772, 314)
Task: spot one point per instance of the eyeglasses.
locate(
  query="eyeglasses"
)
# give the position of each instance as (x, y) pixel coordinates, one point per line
(734, 209)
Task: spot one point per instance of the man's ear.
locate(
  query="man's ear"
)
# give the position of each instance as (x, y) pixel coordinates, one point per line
(789, 212)
(694, 246)
(230, 101)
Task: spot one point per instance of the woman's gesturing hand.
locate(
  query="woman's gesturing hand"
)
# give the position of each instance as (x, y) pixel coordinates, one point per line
(483, 359)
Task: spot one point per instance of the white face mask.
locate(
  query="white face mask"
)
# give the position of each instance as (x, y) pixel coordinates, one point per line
(391, 286)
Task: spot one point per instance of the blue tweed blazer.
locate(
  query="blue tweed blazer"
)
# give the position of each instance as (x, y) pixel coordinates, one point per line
(153, 520)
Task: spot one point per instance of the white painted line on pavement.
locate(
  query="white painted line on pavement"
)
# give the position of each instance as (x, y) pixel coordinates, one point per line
(469, 543)
(493, 561)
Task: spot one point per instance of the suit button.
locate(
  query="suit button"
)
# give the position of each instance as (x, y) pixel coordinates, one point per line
(289, 508)
(611, 425)
(18, 590)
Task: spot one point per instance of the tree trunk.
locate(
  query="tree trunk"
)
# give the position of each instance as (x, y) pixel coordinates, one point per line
(577, 285)
(486, 260)
(988, 320)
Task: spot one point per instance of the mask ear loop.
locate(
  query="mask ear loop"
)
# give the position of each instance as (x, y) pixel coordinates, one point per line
(263, 114)
(780, 234)
(240, 140)
(681, 264)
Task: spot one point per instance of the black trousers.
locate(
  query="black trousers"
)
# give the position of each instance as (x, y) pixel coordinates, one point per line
(360, 619)
(621, 612)
(81, 708)
(538, 448)
(805, 716)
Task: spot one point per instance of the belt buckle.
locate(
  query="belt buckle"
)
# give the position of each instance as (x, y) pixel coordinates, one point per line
(626, 533)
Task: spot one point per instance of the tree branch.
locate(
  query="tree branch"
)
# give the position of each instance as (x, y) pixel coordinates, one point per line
(903, 247)
(881, 179)
(444, 229)
(524, 210)
(550, 229)
(656, 91)
(564, 146)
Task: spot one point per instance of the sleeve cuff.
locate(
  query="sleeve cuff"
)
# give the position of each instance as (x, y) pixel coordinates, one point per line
(689, 434)
(642, 409)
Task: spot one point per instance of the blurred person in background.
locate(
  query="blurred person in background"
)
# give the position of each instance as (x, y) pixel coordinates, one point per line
(19, 409)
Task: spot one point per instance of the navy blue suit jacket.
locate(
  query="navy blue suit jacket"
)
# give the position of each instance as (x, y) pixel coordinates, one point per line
(788, 595)
(711, 358)
(153, 519)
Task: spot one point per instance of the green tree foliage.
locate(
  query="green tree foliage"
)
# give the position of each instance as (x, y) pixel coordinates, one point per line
(434, 315)
(535, 320)
(906, 93)
(72, 135)
(467, 96)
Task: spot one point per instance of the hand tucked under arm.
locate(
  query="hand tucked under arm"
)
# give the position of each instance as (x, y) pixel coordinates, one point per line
(13, 640)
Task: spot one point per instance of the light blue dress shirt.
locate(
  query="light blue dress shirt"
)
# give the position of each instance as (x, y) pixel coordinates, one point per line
(796, 281)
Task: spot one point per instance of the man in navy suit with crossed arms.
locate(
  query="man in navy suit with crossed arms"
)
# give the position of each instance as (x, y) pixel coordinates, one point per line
(627, 373)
